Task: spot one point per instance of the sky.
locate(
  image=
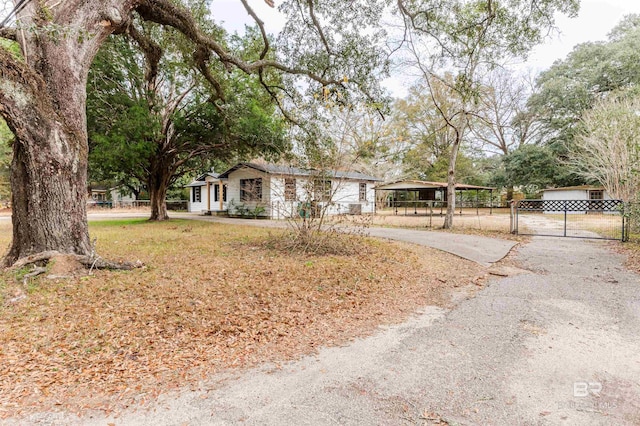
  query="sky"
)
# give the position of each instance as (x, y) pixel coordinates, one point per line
(594, 21)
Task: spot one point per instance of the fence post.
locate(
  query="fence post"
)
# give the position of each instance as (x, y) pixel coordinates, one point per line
(564, 203)
(513, 228)
(626, 221)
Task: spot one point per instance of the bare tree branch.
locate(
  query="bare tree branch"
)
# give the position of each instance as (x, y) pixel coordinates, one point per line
(164, 13)
(9, 33)
(260, 23)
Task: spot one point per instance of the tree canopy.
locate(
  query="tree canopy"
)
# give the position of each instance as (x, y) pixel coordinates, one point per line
(152, 128)
(589, 74)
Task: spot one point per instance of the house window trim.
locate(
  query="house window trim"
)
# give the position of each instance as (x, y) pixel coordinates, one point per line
(290, 189)
(322, 190)
(196, 195)
(598, 192)
(252, 193)
(216, 193)
(362, 194)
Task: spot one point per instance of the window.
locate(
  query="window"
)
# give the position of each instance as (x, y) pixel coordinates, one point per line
(322, 190)
(289, 189)
(216, 193)
(251, 189)
(596, 195)
(363, 192)
(197, 194)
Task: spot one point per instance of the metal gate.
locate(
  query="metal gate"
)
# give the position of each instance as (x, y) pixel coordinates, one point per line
(600, 219)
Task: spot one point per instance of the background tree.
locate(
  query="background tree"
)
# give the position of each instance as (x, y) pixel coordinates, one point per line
(574, 85)
(607, 150)
(503, 123)
(43, 92)
(154, 118)
(463, 38)
(532, 167)
(420, 124)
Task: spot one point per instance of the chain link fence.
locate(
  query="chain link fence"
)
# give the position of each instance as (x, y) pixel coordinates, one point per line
(632, 216)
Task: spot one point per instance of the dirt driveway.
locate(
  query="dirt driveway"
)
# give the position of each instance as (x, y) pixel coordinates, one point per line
(555, 344)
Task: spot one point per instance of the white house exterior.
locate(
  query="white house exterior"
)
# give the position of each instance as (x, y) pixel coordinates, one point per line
(207, 194)
(121, 198)
(574, 193)
(269, 190)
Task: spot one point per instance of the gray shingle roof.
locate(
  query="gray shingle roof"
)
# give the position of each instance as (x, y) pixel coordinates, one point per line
(276, 169)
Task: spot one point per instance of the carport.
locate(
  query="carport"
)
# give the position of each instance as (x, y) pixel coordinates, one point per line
(414, 197)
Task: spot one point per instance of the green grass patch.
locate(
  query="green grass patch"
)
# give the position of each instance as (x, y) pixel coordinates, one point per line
(117, 222)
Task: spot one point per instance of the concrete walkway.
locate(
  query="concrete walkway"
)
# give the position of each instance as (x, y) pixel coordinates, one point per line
(482, 250)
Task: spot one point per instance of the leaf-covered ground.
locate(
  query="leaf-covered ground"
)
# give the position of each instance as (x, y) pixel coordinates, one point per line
(211, 297)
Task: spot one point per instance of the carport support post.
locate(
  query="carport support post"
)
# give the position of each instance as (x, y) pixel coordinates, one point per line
(430, 214)
(490, 201)
(477, 203)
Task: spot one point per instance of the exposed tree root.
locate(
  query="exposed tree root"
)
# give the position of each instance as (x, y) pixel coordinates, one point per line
(89, 261)
(37, 270)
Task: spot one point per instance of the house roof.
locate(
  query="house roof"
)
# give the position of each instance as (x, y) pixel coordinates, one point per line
(201, 180)
(577, 188)
(275, 169)
(209, 174)
(413, 185)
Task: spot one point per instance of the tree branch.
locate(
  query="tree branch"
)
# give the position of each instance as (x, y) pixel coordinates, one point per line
(260, 23)
(164, 13)
(9, 33)
(201, 57)
(152, 53)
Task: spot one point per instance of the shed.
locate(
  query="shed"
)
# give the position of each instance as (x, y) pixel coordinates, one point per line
(590, 195)
(581, 192)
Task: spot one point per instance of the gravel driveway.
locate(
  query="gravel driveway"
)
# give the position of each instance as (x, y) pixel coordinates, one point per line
(554, 345)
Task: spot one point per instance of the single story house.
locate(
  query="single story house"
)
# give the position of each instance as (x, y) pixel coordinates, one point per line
(586, 198)
(205, 194)
(276, 191)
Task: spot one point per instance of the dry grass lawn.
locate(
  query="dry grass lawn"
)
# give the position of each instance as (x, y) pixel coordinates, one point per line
(469, 222)
(211, 297)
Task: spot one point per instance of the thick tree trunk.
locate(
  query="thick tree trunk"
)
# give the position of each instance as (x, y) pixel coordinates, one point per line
(158, 185)
(43, 100)
(49, 167)
(451, 186)
(49, 198)
(509, 193)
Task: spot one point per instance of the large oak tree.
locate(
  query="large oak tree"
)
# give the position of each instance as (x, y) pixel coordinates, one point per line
(43, 91)
(153, 117)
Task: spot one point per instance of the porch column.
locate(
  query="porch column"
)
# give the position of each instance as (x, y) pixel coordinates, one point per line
(208, 196)
(221, 195)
